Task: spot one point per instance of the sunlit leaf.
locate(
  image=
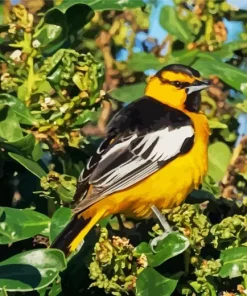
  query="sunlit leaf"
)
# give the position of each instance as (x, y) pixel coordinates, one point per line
(231, 75)
(10, 129)
(114, 4)
(142, 61)
(234, 261)
(219, 155)
(170, 21)
(174, 244)
(19, 108)
(86, 116)
(31, 270)
(214, 123)
(58, 222)
(17, 224)
(150, 282)
(52, 36)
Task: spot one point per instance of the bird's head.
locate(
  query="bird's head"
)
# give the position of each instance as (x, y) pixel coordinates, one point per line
(178, 86)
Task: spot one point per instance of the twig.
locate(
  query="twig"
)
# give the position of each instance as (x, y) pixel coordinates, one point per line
(6, 11)
(103, 42)
(235, 155)
(100, 129)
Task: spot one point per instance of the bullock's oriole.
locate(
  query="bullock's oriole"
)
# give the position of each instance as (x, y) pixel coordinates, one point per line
(154, 155)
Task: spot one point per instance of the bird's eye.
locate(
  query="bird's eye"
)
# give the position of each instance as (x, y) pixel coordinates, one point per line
(178, 84)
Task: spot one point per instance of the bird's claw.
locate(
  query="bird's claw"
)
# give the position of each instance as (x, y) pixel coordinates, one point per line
(165, 225)
(157, 239)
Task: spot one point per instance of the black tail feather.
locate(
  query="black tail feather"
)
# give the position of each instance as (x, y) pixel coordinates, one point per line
(70, 232)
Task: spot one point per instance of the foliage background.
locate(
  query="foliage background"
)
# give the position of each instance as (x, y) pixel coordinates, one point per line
(66, 67)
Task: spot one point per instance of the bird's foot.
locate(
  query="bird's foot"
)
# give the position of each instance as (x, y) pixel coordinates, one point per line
(164, 224)
(157, 239)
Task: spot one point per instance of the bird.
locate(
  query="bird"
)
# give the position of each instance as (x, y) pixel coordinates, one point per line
(154, 155)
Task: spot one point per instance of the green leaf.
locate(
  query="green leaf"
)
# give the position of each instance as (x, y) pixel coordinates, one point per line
(227, 50)
(114, 4)
(60, 22)
(66, 193)
(37, 152)
(209, 186)
(29, 164)
(231, 75)
(31, 270)
(219, 155)
(17, 224)
(10, 129)
(24, 145)
(214, 123)
(52, 37)
(184, 56)
(58, 222)
(238, 15)
(150, 282)
(56, 288)
(19, 108)
(43, 87)
(129, 93)
(171, 22)
(234, 261)
(53, 69)
(22, 92)
(86, 116)
(175, 243)
(142, 61)
(228, 135)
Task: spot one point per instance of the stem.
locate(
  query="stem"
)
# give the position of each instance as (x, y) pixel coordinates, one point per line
(245, 279)
(30, 79)
(187, 260)
(209, 28)
(30, 51)
(4, 292)
(59, 92)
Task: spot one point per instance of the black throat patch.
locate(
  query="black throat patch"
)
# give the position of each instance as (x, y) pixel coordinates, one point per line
(193, 102)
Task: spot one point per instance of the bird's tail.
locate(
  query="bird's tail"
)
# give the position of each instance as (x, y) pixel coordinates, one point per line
(73, 234)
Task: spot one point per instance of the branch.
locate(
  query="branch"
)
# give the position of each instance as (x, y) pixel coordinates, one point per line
(100, 129)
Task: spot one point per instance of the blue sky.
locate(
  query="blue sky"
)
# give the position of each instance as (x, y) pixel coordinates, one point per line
(156, 31)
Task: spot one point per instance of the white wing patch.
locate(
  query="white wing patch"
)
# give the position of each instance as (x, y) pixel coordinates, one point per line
(147, 156)
(169, 142)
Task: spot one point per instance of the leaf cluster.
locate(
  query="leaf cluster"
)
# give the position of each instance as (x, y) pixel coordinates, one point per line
(55, 66)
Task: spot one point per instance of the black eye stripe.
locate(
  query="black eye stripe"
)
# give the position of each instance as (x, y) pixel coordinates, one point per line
(177, 84)
(180, 84)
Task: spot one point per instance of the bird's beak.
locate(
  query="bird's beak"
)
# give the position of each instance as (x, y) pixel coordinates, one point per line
(198, 85)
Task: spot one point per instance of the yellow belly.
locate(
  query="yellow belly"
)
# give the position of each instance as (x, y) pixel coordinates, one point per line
(166, 188)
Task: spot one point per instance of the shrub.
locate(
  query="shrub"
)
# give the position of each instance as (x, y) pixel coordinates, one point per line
(62, 74)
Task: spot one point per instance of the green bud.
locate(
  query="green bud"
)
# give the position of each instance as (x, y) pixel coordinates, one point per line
(60, 121)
